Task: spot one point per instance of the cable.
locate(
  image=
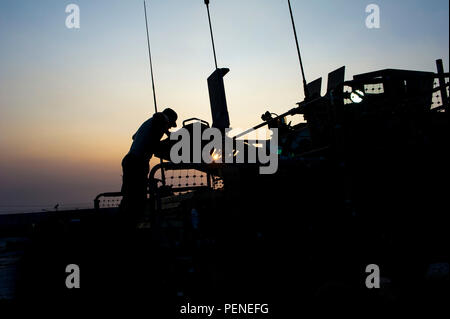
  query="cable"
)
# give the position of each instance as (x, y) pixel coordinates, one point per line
(211, 31)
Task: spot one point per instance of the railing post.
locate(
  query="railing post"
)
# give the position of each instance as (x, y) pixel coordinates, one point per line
(208, 180)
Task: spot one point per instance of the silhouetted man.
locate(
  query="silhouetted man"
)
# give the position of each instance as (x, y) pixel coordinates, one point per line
(135, 164)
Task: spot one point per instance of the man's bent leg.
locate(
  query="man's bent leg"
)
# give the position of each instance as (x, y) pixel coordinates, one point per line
(134, 189)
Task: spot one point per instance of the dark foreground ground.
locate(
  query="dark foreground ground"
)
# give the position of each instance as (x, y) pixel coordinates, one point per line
(293, 246)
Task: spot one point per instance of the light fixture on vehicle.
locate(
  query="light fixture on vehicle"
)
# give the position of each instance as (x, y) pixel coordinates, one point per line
(357, 96)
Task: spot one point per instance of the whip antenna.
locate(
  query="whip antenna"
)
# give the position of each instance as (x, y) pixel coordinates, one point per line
(305, 86)
(153, 85)
(150, 59)
(211, 31)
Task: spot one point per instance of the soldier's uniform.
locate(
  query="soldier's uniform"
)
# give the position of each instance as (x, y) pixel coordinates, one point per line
(135, 164)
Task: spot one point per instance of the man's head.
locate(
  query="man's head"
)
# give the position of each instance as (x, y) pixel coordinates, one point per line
(172, 116)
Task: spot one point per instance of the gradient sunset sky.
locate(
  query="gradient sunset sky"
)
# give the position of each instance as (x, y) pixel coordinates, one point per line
(70, 99)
